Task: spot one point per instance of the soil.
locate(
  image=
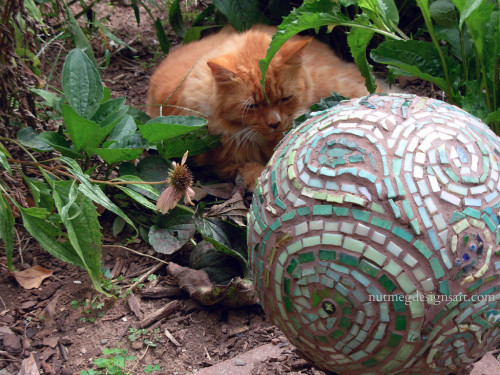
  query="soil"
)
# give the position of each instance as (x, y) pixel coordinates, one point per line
(65, 324)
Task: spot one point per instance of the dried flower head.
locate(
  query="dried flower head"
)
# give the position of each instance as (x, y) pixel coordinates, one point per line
(180, 180)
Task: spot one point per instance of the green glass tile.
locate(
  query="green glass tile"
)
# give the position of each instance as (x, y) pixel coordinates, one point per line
(337, 334)
(347, 310)
(395, 209)
(436, 268)
(303, 211)
(341, 211)
(400, 323)
(393, 268)
(387, 283)
(311, 241)
(275, 225)
(327, 255)
(291, 267)
(372, 362)
(414, 225)
(383, 354)
(297, 274)
(326, 210)
(288, 216)
(286, 285)
(339, 298)
(370, 177)
(403, 234)
(374, 255)
(488, 222)
(394, 340)
(424, 250)
(288, 303)
(368, 268)
(316, 299)
(320, 195)
(444, 288)
(345, 322)
(353, 245)
(491, 278)
(399, 303)
(474, 286)
(360, 215)
(322, 338)
(278, 202)
(348, 259)
(306, 257)
(375, 207)
(355, 158)
(476, 214)
(379, 222)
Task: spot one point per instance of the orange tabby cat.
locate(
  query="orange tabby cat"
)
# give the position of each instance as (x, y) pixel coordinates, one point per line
(219, 77)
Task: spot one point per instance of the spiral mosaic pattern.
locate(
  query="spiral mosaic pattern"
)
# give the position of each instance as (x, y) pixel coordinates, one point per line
(374, 237)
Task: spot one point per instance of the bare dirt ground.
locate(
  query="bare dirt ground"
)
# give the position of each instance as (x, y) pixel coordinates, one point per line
(65, 324)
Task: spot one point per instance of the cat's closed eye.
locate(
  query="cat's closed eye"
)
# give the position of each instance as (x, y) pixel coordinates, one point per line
(253, 106)
(285, 99)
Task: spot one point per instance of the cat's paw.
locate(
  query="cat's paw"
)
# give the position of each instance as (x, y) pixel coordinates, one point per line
(248, 174)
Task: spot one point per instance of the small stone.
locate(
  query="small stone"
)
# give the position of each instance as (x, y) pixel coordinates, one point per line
(239, 362)
(275, 341)
(66, 340)
(66, 371)
(104, 341)
(80, 330)
(51, 341)
(12, 343)
(136, 345)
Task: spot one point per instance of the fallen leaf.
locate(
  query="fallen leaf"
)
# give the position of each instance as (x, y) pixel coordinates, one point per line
(32, 277)
(29, 367)
(223, 190)
(234, 209)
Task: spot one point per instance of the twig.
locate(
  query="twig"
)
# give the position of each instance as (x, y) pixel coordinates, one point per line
(165, 311)
(5, 310)
(172, 338)
(137, 252)
(20, 246)
(139, 360)
(143, 277)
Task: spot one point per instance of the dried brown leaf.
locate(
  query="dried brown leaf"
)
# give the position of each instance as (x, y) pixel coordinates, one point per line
(32, 277)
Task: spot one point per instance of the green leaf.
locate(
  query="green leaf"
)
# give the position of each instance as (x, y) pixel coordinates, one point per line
(358, 40)
(241, 14)
(139, 116)
(81, 84)
(139, 198)
(178, 230)
(84, 133)
(59, 143)
(166, 127)
(418, 58)
(197, 142)
(112, 36)
(175, 19)
(227, 239)
(110, 111)
(219, 267)
(38, 212)
(126, 126)
(7, 229)
(4, 162)
(151, 168)
(381, 12)
(29, 138)
(162, 36)
(443, 13)
(115, 155)
(194, 33)
(131, 178)
(118, 226)
(137, 13)
(79, 38)
(493, 116)
(80, 218)
(50, 98)
(93, 191)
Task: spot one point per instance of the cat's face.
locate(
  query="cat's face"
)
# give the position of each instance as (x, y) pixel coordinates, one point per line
(241, 107)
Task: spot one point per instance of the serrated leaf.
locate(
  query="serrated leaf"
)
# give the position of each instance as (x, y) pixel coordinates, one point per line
(241, 14)
(29, 138)
(166, 127)
(81, 84)
(175, 19)
(381, 12)
(177, 231)
(7, 229)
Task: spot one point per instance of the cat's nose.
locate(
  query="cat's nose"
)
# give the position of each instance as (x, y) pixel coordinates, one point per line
(274, 125)
(273, 119)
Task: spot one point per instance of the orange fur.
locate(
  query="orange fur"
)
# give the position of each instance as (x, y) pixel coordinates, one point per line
(219, 77)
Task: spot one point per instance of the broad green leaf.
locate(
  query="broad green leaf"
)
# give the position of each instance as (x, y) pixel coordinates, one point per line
(383, 13)
(139, 198)
(38, 212)
(418, 58)
(139, 116)
(493, 116)
(128, 141)
(110, 111)
(225, 238)
(4, 163)
(124, 127)
(176, 233)
(79, 38)
(93, 191)
(151, 168)
(84, 133)
(29, 138)
(7, 229)
(166, 127)
(80, 218)
(81, 84)
(197, 142)
(59, 143)
(443, 13)
(50, 98)
(175, 19)
(241, 14)
(162, 36)
(115, 155)
(358, 40)
(47, 234)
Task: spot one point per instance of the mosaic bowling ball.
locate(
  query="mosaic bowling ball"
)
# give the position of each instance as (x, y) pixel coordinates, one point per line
(374, 237)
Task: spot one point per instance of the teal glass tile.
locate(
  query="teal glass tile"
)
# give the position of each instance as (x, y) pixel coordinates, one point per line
(288, 216)
(403, 234)
(341, 211)
(326, 210)
(424, 217)
(444, 288)
(395, 209)
(356, 158)
(286, 285)
(278, 202)
(436, 268)
(348, 259)
(390, 189)
(382, 223)
(360, 215)
(291, 267)
(387, 283)
(424, 250)
(303, 211)
(275, 225)
(399, 303)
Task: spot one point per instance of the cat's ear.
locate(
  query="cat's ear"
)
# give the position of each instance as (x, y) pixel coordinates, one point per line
(220, 73)
(293, 51)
